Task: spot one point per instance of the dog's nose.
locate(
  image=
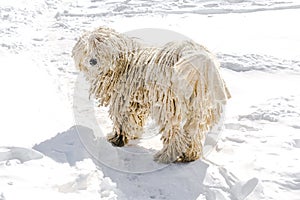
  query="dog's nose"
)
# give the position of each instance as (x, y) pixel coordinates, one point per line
(93, 61)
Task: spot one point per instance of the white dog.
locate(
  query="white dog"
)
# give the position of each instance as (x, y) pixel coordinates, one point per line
(178, 85)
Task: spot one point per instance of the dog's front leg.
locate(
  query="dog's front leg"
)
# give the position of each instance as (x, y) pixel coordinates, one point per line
(119, 116)
(118, 137)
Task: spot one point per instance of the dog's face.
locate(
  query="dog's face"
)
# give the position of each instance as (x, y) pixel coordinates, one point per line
(95, 53)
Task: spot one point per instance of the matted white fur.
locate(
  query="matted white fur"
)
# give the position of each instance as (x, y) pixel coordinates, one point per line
(178, 85)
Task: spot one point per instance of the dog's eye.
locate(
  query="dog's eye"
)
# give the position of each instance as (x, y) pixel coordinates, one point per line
(93, 61)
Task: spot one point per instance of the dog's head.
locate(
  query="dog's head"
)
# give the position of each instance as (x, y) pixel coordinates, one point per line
(97, 52)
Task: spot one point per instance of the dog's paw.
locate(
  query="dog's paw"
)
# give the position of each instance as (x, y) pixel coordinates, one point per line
(167, 156)
(161, 157)
(171, 154)
(189, 157)
(117, 139)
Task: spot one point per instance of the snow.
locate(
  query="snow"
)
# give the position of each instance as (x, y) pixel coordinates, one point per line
(45, 178)
(47, 145)
(29, 103)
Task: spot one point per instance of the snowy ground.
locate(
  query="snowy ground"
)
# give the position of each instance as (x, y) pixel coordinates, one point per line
(45, 153)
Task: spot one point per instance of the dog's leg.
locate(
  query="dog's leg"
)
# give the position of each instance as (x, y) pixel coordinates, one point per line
(173, 143)
(138, 115)
(181, 145)
(128, 124)
(168, 117)
(119, 116)
(176, 144)
(194, 131)
(118, 137)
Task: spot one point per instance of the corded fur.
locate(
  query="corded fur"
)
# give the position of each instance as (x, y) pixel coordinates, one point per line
(178, 85)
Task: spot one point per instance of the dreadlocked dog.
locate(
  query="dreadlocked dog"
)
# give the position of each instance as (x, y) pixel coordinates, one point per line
(178, 85)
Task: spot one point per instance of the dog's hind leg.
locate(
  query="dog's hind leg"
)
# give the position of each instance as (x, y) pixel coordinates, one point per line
(181, 144)
(175, 140)
(195, 133)
(174, 145)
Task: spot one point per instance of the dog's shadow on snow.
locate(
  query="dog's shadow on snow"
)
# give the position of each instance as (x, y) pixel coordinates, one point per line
(131, 168)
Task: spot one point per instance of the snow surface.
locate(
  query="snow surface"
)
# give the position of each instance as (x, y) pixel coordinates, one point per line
(48, 149)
